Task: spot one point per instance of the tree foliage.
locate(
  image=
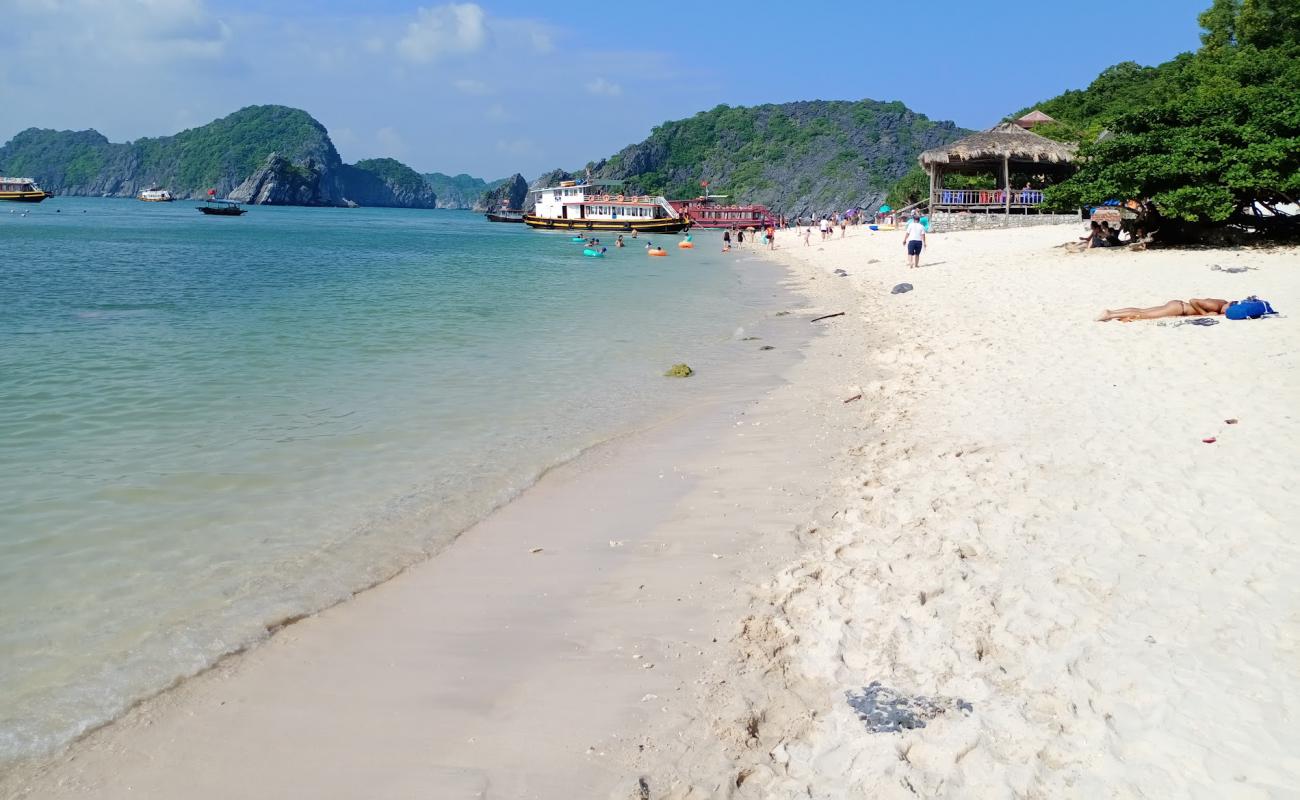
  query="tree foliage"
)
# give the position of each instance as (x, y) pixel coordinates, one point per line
(1208, 135)
(394, 173)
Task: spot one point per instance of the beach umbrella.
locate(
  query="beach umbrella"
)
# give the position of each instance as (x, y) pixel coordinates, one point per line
(885, 209)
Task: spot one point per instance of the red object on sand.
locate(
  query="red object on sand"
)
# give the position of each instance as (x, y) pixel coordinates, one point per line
(1210, 440)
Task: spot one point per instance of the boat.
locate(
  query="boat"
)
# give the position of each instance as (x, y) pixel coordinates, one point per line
(505, 214)
(593, 206)
(155, 195)
(22, 190)
(221, 208)
(707, 212)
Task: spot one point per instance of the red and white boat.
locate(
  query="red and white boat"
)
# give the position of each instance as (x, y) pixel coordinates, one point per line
(706, 212)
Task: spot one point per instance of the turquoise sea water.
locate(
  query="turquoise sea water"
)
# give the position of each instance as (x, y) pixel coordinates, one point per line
(210, 425)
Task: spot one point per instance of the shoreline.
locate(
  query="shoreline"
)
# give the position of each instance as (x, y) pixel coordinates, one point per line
(335, 527)
(94, 762)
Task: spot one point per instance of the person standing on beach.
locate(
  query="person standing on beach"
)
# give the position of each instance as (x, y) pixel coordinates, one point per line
(726, 239)
(914, 241)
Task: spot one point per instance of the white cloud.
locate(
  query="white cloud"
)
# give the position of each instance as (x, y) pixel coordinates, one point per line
(444, 30)
(498, 113)
(471, 86)
(139, 31)
(600, 86)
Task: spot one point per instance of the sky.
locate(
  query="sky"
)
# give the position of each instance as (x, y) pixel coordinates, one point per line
(493, 88)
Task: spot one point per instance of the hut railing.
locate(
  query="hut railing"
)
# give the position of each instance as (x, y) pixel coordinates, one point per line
(990, 197)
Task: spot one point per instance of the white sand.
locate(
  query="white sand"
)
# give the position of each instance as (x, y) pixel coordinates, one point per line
(1033, 524)
(1019, 513)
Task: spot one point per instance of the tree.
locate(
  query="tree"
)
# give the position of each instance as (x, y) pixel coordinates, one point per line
(1220, 24)
(1268, 23)
(913, 186)
(1219, 137)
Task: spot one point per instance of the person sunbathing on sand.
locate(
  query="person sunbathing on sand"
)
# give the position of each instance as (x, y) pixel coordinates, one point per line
(1196, 307)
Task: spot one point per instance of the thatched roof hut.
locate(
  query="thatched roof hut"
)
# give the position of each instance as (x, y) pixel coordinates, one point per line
(1033, 118)
(996, 151)
(1005, 142)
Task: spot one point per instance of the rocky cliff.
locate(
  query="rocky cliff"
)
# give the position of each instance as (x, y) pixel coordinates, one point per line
(260, 154)
(387, 182)
(459, 191)
(511, 192)
(280, 182)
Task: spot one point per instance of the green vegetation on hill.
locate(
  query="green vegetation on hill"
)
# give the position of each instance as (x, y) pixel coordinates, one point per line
(794, 157)
(1082, 114)
(394, 172)
(218, 155)
(459, 191)
(238, 144)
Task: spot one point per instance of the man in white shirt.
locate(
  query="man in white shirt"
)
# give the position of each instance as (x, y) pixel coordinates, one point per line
(914, 240)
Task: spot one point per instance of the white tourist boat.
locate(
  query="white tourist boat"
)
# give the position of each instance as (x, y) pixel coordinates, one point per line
(595, 206)
(155, 196)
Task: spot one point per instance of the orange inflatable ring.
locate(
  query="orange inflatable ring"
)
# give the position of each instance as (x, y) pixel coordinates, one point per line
(658, 251)
(686, 245)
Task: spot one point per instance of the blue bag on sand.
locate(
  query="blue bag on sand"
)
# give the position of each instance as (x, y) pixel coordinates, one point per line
(1250, 308)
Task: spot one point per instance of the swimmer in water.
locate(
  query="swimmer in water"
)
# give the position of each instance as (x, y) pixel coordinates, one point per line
(619, 241)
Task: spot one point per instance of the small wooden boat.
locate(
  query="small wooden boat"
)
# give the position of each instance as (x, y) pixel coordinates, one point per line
(221, 208)
(505, 215)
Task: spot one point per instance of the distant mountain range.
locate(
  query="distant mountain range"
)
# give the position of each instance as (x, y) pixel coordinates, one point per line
(794, 157)
(261, 154)
(459, 191)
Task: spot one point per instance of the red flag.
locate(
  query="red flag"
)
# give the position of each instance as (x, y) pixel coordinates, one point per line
(212, 192)
(705, 184)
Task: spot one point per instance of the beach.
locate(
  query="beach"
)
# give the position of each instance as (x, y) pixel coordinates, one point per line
(1072, 540)
(968, 504)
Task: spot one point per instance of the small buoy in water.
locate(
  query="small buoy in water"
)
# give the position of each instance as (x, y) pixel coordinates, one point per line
(658, 251)
(687, 245)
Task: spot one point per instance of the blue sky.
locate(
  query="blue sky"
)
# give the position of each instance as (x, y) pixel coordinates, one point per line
(492, 88)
